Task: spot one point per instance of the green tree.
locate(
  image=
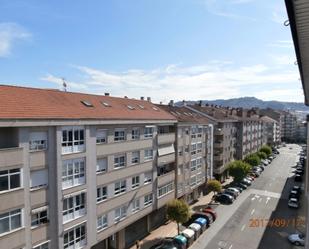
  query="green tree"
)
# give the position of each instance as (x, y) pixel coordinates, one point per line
(253, 159)
(266, 149)
(178, 211)
(239, 169)
(214, 185)
(261, 155)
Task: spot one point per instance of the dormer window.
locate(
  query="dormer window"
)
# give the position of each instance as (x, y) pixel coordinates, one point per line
(155, 108)
(141, 106)
(105, 104)
(130, 107)
(86, 103)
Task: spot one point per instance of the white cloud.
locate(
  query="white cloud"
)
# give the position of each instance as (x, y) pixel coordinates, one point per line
(209, 81)
(227, 8)
(282, 44)
(9, 34)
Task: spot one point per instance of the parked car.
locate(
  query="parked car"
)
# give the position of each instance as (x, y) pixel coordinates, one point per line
(299, 171)
(294, 194)
(297, 239)
(257, 168)
(255, 173)
(224, 198)
(293, 203)
(298, 178)
(297, 188)
(231, 193)
(197, 215)
(251, 179)
(237, 191)
(166, 243)
(246, 182)
(240, 185)
(210, 211)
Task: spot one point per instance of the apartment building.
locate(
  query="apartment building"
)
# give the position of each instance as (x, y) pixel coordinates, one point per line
(289, 126)
(225, 137)
(250, 131)
(194, 141)
(272, 131)
(80, 170)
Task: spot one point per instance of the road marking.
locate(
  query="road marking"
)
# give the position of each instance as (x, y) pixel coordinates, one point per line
(253, 198)
(268, 198)
(260, 200)
(230, 246)
(243, 227)
(252, 212)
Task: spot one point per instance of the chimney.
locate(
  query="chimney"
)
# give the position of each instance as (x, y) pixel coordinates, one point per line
(106, 94)
(161, 103)
(125, 97)
(171, 103)
(142, 98)
(200, 103)
(148, 99)
(184, 103)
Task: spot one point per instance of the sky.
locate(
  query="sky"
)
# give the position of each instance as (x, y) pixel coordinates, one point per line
(164, 49)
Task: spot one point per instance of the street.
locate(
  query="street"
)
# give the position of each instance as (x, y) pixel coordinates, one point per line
(260, 217)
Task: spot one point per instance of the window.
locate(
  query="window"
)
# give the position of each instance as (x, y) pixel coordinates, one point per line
(168, 188)
(193, 181)
(38, 141)
(179, 133)
(101, 165)
(45, 245)
(193, 149)
(120, 213)
(119, 161)
(101, 136)
(148, 154)
(39, 216)
(180, 153)
(101, 193)
(73, 172)
(199, 178)
(199, 147)
(73, 140)
(119, 135)
(199, 162)
(102, 222)
(120, 187)
(187, 131)
(75, 237)
(135, 133)
(199, 131)
(135, 157)
(38, 178)
(147, 178)
(135, 205)
(147, 200)
(193, 165)
(135, 182)
(86, 103)
(10, 179)
(187, 149)
(148, 132)
(10, 221)
(73, 207)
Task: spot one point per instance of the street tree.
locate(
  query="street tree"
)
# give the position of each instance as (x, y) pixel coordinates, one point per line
(239, 169)
(214, 185)
(266, 149)
(261, 155)
(178, 211)
(253, 160)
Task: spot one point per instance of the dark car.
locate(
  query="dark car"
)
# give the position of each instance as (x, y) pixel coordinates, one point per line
(299, 171)
(297, 188)
(166, 243)
(298, 178)
(224, 198)
(240, 185)
(294, 194)
(246, 182)
(210, 211)
(231, 193)
(197, 215)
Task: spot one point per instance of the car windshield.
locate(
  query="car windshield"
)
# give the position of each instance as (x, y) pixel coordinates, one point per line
(301, 236)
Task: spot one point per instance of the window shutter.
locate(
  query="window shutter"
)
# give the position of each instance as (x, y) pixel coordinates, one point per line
(38, 178)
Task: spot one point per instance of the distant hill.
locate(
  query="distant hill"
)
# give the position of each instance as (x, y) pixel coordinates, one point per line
(249, 102)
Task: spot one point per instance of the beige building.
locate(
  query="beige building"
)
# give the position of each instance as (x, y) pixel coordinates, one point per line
(193, 145)
(80, 170)
(272, 130)
(225, 137)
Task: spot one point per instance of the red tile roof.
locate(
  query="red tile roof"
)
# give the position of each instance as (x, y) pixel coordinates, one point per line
(34, 103)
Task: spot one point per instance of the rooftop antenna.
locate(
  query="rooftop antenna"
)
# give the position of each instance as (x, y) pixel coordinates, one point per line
(64, 84)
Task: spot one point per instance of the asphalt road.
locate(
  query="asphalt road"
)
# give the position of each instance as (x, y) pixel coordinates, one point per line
(260, 217)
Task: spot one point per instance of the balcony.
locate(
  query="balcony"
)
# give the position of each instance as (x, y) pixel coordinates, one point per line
(166, 177)
(166, 159)
(39, 233)
(167, 138)
(11, 156)
(218, 132)
(218, 157)
(218, 144)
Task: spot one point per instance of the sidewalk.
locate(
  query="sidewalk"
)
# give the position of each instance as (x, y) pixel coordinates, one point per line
(170, 228)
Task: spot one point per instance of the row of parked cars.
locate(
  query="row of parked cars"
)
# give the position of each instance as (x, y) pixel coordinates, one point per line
(194, 227)
(297, 239)
(230, 194)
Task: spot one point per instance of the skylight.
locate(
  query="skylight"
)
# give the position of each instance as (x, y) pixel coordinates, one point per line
(130, 107)
(155, 108)
(141, 106)
(105, 104)
(86, 103)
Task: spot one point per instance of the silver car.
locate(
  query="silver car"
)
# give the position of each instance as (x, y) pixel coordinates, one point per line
(297, 239)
